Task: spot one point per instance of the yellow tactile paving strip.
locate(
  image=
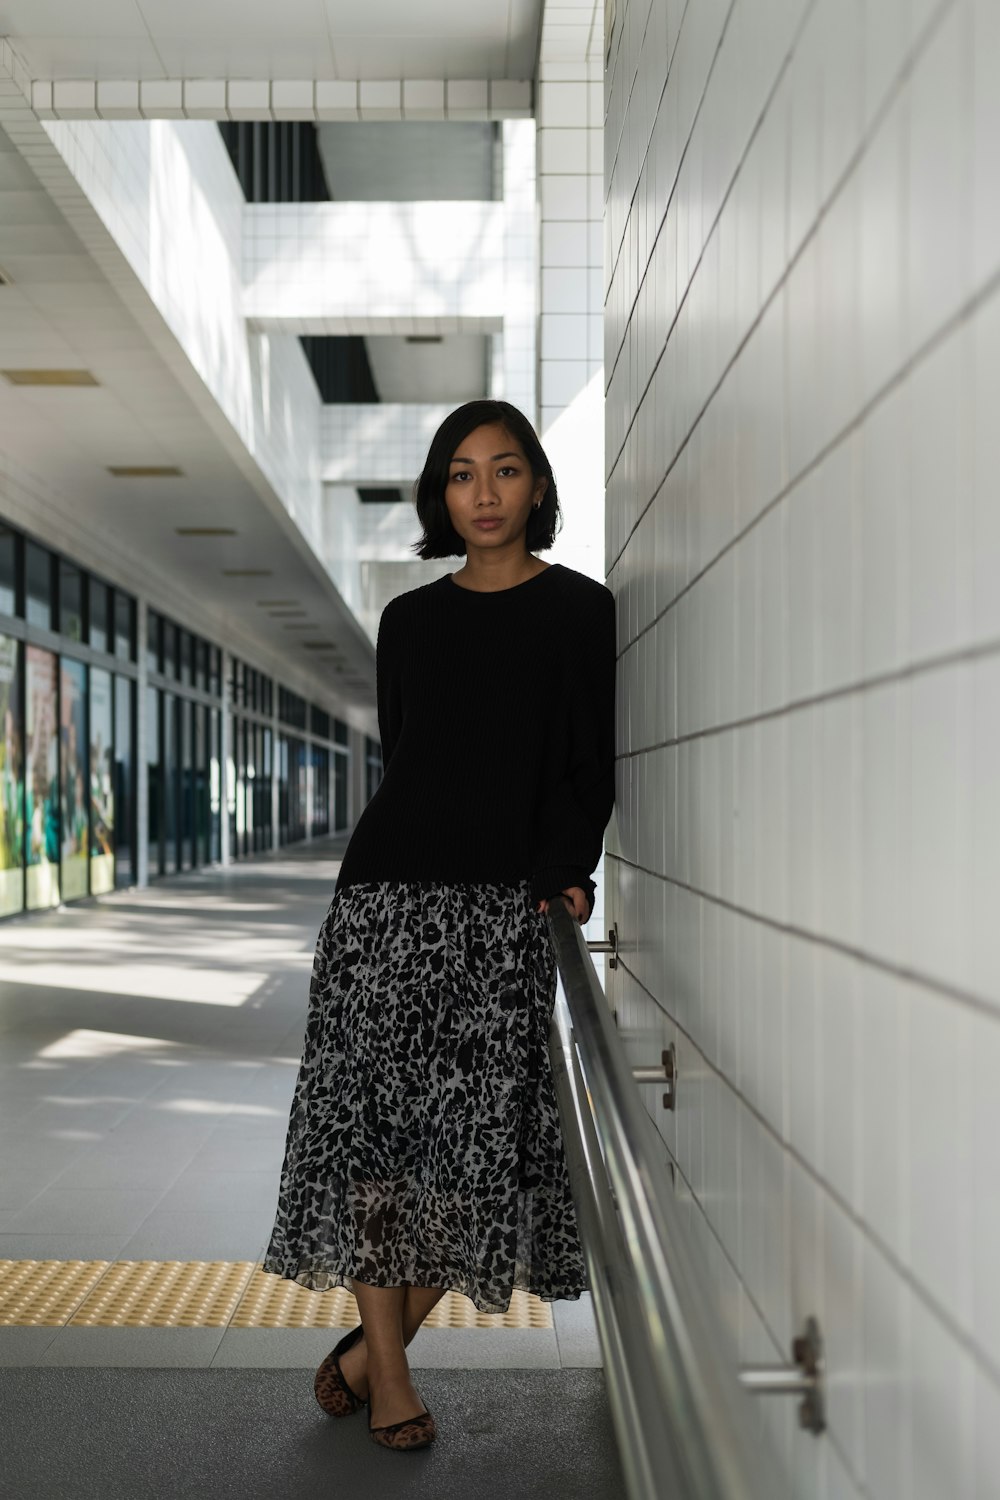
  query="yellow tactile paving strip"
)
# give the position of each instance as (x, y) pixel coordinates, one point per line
(205, 1294)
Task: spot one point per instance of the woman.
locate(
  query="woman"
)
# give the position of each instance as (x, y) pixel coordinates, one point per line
(424, 1151)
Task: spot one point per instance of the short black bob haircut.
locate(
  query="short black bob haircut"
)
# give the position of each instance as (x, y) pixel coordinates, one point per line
(440, 539)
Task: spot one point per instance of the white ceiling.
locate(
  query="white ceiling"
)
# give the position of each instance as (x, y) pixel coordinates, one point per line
(307, 39)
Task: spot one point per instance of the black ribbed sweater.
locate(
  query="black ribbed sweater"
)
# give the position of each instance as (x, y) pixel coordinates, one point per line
(497, 718)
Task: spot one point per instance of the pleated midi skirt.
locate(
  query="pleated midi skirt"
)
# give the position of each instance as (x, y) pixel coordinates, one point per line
(424, 1142)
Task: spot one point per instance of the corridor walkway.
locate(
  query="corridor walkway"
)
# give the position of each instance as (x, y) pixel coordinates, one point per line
(148, 1048)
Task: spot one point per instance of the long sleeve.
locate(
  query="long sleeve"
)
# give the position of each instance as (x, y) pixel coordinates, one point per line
(387, 682)
(575, 809)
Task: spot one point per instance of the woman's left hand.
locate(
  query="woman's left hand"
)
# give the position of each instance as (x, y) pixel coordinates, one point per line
(576, 899)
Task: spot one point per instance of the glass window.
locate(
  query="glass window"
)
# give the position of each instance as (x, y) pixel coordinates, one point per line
(102, 783)
(41, 789)
(123, 793)
(170, 721)
(201, 803)
(155, 776)
(9, 545)
(124, 626)
(200, 664)
(38, 585)
(74, 796)
(98, 602)
(168, 633)
(340, 767)
(186, 653)
(231, 788)
(339, 732)
(186, 728)
(11, 779)
(215, 786)
(153, 640)
(215, 671)
(71, 587)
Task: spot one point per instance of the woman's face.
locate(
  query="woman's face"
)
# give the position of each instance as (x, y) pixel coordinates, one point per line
(491, 480)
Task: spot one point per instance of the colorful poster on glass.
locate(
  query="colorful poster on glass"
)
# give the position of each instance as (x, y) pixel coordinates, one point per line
(41, 778)
(102, 795)
(75, 800)
(11, 781)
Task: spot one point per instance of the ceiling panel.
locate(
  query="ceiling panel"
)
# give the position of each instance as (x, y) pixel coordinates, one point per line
(88, 57)
(250, 20)
(235, 57)
(431, 17)
(65, 18)
(109, 39)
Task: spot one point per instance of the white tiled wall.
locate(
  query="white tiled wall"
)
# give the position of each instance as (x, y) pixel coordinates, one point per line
(570, 295)
(379, 442)
(367, 268)
(802, 361)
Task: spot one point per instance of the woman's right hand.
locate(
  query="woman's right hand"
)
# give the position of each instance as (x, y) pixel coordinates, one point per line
(576, 899)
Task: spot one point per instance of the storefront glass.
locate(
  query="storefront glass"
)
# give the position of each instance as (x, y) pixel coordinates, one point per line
(102, 783)
(186, 726)
(169, 712)
(215, 785)
(41, 779)
(124, 783)
(11, 779)
(340, 765)
(75, 843)
(155, 781)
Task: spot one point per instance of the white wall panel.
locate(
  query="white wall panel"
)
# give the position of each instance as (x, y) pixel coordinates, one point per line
(802, 353)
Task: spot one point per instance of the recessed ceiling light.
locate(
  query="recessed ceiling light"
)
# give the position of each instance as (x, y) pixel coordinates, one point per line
(204, 531)
(144, 471)
(423, 338)
(274, 603)
(49, 377)
(319, 645)
(246, 572)
(5, 280)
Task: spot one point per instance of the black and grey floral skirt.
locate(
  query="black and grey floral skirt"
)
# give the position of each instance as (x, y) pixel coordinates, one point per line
(424, 1142)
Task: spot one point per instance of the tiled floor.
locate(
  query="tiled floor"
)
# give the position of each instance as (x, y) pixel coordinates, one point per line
(149, 1043)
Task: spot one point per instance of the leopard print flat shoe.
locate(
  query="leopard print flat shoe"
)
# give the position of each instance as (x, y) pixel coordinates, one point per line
(414, 1432)
(332, 1391)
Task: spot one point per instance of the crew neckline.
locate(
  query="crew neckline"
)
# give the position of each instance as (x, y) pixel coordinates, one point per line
(491, 593)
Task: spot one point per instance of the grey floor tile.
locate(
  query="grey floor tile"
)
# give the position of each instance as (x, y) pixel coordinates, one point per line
(18, 1189)
(89, 1210)
(146, 1348)
(61, 1246)
(193, 1236)
(206, 1189)
(25, 1346)
(103, 1170)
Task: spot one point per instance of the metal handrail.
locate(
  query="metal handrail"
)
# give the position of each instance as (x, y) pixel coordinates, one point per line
(685, 1427)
